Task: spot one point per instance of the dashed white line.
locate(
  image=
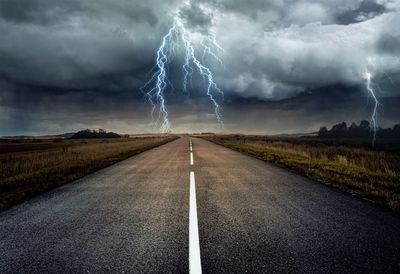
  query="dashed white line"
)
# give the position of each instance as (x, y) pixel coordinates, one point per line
(191, 152)
(194, 243)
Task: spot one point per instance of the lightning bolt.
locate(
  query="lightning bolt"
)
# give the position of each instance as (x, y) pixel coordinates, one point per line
(390, 79)
(187, 68)
(374, 115)
(204, 71)
(159, 80)
(155, 88)
(209, 43)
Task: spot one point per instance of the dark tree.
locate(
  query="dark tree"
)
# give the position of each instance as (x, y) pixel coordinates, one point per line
(339, 130)
(364, 125)
(358, 131)
(323, 132)
(92, 134)
(396, 129)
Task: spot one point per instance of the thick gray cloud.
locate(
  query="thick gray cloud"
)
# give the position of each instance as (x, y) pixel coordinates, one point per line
(278, 49)
(312, 44)
(78, 43)
(274, 50)
(195, 18)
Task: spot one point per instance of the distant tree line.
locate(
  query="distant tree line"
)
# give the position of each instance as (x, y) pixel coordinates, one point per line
(93, 134)
(363, 130)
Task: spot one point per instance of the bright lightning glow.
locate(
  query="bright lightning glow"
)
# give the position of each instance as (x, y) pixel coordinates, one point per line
(157, 85)
(390, 79)
(160, 81)
(374, 115)
(205, 72)
(209, 43)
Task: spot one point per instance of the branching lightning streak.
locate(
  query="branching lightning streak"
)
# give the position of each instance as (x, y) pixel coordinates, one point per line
(187, 69)
(374, 115)
(155, 88)
(208, 43)
(160, 79)
(390, 79)
(205, 72)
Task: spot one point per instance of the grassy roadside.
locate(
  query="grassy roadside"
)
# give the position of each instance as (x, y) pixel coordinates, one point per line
(371, 174)
(24, 174)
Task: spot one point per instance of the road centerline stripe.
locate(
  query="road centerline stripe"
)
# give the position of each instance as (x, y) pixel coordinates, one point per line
(191, 158)
(194, 243)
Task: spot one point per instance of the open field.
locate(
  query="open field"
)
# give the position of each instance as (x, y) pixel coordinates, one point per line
(351, 165)
(29, 167)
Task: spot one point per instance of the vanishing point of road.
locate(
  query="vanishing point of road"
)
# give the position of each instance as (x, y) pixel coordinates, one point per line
(193, 206)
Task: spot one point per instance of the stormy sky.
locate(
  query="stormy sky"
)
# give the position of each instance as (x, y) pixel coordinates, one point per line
(288, 66)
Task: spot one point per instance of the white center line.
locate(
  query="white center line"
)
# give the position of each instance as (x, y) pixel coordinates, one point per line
(191, 158)
(194, 244)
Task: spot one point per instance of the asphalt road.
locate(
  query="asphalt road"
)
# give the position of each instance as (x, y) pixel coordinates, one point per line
(252, 217)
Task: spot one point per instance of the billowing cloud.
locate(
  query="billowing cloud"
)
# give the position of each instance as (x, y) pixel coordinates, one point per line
(196, 18)
(274, 50)
(283, 48)
(78, 44)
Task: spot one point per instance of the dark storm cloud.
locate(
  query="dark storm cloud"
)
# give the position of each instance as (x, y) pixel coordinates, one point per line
(286, 12)
(366, 10)
(195, 18)
(250, 8)
(389, 41)
(37, 12)
(274, 48)
(84, 53)
(77, 43)
(47, 12)
(279, 49)
(309, 48)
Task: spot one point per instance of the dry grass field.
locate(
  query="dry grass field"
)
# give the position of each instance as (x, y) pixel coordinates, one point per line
(351, 165)
(30, 167)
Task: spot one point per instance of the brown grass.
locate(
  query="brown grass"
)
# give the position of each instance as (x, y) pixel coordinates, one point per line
(370, 173)
(36, 169)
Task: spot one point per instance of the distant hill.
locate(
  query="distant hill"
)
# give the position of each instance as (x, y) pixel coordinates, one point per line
(65, 135)
(309, 134)
(93, 134)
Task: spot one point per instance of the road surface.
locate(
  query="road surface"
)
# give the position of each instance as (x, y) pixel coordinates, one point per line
(213, 210)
